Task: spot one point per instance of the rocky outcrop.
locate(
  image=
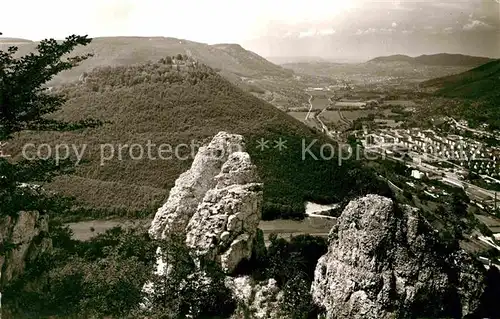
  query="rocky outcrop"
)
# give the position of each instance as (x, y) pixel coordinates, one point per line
(215, 207)
(256, 300)
(383, 261)
(226, 221)
(386, 262)
(216, 204)
(191, 186)
(21, 239)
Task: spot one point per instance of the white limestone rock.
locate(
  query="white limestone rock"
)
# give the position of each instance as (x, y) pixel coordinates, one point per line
(386, 262)
(225, 223)
(256, 300)
(216, 204)
(192, 185)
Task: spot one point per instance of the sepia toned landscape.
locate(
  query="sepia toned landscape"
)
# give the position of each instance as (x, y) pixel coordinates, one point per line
(326, 160)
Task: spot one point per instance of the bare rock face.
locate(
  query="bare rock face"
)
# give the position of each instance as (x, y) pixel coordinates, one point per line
(226, 221)
(21, 239)
(256, 300)
(216, 204)
(191, 186)
(387, 262)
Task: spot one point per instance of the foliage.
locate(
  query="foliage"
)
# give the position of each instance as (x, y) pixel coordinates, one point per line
(24, 105)
(475, 95)
(298, 303)
(291, 264)
(271, 211)
(102, 277)
(76, 214)
(188, 286)
(152, 102)
(105, 277)
(489, 299)
(24, 99)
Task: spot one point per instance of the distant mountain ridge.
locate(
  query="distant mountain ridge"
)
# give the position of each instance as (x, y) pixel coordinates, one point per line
(441, 59)
(479, 88)
(393, 58)
(232, 59)
(479, 82)
(182, 103)
(13, 40)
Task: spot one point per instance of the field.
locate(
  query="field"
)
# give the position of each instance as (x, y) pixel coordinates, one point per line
(490, 221)
(331, 116)
(301, 116)
(284, 228)
(392, 72)
(354, 115)
(320, 102)
(389, 113)
(387, 122)
(334, 117)
(350, 104)
(404, 103)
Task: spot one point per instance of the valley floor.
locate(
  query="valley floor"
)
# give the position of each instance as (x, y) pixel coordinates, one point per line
(284, 228)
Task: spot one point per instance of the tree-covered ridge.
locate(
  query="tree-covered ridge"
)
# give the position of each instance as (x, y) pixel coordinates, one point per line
(474, 83)
(478, 88)
(116, 51)
(177, 101)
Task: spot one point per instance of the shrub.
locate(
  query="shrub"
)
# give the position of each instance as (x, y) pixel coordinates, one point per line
(102, 277)
(186, 289)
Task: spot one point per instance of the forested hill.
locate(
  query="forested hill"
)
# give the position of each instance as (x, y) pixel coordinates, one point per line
(232, 59)
(177, 102)
(479, 82)
(479, 88)
(10, 41)
(393, 58)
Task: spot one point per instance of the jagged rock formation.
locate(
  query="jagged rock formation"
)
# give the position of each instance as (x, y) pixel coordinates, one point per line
(216, 204)
(192, 185)
(386, 262)
(383, 261)
(21, 239)
(216, 207)
(256, 300)
(225, 224)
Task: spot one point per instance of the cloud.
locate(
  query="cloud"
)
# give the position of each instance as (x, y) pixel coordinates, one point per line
(367, 31)
(449, 4)
(477, 25)
(327, 31)
(387, 30)
(308, 33)
(373, 30)
(448, 30)
(314, 32)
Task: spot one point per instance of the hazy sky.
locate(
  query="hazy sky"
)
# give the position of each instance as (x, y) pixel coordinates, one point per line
(329, 28)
